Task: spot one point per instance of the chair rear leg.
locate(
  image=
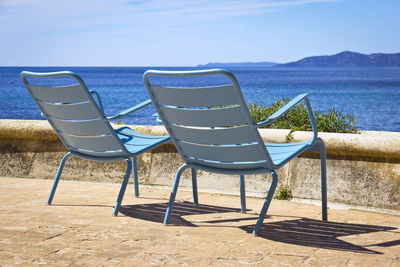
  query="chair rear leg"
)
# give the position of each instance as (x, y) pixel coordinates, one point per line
(135, 176)
(323, 181)
(57, 178)
(123, 186)
(266, 203)
(242, 194)
(194, 187)
(173, 193)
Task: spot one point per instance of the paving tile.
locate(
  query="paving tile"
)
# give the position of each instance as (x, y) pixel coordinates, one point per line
(78, 230)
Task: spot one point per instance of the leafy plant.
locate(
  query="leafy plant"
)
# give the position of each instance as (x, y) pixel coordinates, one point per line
(297, 119)
(337, 122)
(289, 137)
(283, 192)
(119, 122)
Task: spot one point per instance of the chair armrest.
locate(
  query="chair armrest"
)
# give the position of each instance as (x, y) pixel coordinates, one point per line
(282, 111)
(289, 106)
(130, 110)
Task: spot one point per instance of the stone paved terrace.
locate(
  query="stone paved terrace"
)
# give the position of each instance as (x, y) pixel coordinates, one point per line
(79, 230)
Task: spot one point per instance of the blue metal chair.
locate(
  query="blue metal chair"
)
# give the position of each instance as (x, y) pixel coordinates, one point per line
(81, 125)
(213, 131)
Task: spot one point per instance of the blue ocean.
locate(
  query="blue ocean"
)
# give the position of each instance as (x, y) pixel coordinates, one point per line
(371, 94)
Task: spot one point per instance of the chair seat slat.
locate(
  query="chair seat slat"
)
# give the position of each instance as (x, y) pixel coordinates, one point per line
(229, 116)
(228, 165)
(196, 97)
(281, 152)
(137, 141)
(239, 153)
(65, 94)
(81, 111)
(225, 136)
(105, 155)
(96, 143)
(81, 127)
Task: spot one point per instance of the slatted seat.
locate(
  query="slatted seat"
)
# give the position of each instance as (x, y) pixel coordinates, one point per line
(213, 130)
(138, 143)
(81, 125)
(281, 153)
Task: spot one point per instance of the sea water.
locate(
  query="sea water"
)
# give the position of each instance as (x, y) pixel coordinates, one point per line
(371, 94)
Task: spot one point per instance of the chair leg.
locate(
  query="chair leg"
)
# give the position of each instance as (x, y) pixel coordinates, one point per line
(135, 176)
(323, 181)
(242, 194)
(194, 187)
(266, 203)
(173, 193)
(123, 186)
(57, 178)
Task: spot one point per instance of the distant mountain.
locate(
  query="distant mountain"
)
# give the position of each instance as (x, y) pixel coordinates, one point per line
(239, 64)
(347, 59)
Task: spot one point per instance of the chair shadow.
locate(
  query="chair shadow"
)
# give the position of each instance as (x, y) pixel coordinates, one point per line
(319, 234)
(387, 244)
(155, 212)
(300, 231)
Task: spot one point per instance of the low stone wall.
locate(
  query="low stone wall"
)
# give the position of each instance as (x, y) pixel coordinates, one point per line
(363, 170)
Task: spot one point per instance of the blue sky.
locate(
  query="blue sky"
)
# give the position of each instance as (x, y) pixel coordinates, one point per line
(191, 32)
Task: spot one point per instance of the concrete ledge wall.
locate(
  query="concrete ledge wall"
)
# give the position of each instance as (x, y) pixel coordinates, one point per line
(362, 169)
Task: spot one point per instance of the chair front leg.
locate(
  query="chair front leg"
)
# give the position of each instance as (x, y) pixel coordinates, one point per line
(135, 176)
(242, 194)
(57, 178)
(323, 180)
(123, 186)
(173, 193)
(194, 187)
(266, 203)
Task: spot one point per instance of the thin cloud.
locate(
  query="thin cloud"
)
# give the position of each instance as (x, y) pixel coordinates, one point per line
(60, 17)
(147, 9)
(89, 26)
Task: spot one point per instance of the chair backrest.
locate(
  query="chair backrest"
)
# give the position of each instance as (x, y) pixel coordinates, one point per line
(73, 114)
(210, 126)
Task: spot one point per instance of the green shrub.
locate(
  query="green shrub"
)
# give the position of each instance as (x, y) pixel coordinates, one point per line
(119, 122)
(297, 119)
(336, 122)
(283, 192)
